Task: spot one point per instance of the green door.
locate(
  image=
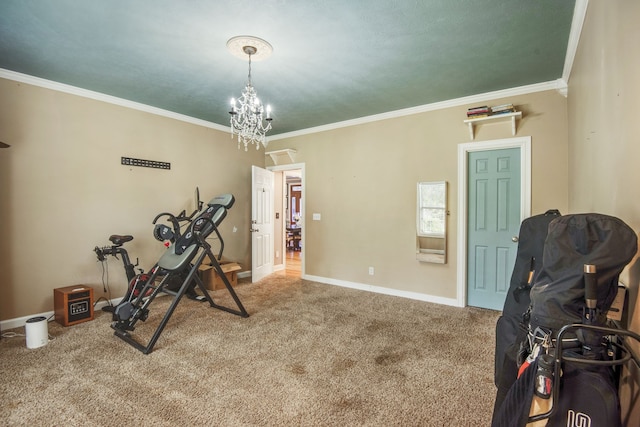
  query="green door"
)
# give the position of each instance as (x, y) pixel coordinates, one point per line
(494, 220)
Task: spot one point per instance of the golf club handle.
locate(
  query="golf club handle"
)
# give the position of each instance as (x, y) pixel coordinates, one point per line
(531, 271)
(590, 286)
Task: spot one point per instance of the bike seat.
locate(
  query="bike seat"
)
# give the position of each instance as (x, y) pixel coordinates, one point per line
(119, 240)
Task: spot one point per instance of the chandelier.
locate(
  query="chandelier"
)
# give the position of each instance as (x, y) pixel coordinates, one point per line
(250, 120)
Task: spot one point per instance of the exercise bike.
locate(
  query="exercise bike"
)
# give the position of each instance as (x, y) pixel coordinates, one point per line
(162, 233)
(136, 281)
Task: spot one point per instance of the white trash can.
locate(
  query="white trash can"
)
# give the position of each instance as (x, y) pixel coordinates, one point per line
(37, 332)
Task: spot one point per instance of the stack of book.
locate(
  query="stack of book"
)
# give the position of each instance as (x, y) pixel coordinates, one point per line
(486, 111)
(503, 109)
(477, 112)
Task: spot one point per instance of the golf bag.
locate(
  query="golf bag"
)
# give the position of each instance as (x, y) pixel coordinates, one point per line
(510, 327)
(565, 376)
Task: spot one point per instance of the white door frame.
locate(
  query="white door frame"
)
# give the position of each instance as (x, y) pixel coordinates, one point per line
(296, 166)
(524, 143)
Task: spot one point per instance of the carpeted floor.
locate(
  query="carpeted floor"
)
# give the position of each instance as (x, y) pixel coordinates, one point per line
(309, 354)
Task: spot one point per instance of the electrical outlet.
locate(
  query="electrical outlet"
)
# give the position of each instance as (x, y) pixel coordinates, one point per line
(370, 271)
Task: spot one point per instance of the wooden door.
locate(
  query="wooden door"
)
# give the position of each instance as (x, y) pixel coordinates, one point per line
(262, 213)
(494, 193)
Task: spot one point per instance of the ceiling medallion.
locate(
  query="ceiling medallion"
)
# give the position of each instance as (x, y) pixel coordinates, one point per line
(250, 120)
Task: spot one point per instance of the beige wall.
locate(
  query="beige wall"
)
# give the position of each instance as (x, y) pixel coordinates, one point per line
(362, 180)
(64, 191)
(604, 133)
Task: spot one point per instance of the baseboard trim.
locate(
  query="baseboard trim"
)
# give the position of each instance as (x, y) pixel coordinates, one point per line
(386, 291)
(20, 321)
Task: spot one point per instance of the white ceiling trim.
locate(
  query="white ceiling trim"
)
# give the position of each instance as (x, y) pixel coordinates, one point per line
(73, 90)
(579, 14)
(558, 85)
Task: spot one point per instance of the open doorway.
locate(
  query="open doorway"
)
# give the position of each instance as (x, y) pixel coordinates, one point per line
(289, 219)
(294, 221)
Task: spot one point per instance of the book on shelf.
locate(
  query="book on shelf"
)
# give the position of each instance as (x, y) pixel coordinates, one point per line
(476, 112)
(482, 108)
(497, 113)
(486, 111)
(503, 109)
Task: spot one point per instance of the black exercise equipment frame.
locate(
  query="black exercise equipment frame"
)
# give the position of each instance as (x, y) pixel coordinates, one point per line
(142, 301)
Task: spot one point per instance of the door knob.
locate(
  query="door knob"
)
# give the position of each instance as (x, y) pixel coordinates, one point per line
(514, 239)
(253, 230)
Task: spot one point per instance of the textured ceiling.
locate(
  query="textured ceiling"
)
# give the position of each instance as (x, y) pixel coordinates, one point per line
(333, 60)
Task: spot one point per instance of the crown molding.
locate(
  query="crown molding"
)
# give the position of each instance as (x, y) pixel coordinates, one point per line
(558, 85)
(73, 90)
(579, 14)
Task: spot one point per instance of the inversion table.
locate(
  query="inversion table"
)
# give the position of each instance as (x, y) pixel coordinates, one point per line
(181, 260)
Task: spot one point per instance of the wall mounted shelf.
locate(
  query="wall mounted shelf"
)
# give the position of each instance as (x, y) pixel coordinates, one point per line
(498, 117)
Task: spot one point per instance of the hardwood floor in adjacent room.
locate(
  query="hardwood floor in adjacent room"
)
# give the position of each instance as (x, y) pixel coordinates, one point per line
(293, 263)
